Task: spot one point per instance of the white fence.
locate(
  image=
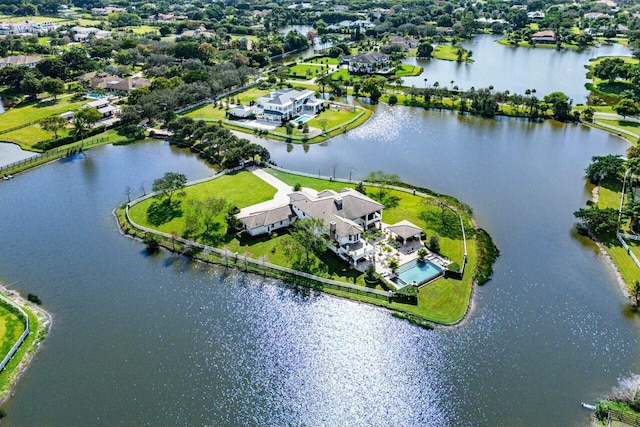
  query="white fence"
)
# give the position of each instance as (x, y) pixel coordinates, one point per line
(621, 237)
(22, 337)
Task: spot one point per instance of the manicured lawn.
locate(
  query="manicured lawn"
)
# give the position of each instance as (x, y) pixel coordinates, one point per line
(300, 71)
(333, 118)
(446, 52)
(207, 111)
(626, 125)
(408, 70)
(35, 111)
(142, 29)
(227, 187)
(251, 95)
(322, 60)
(11, 327)
(29, 136)
(344, 75)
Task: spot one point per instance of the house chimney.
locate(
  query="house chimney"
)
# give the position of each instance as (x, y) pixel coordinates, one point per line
(338, 202)
(332, 230)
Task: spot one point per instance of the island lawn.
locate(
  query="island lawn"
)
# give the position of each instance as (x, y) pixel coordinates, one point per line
(444, 301)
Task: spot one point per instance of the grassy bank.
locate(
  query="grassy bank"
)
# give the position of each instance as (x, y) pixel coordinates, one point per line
(38, 328)
(444, 301)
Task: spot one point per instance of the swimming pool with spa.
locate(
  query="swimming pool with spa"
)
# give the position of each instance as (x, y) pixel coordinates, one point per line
(416, 271)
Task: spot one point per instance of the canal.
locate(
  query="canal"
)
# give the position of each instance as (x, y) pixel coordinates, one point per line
(158, 340)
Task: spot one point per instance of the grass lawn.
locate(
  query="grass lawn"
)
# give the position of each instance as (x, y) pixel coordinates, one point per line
(322, 60)
(28, 137)
(446, 52)
(408, 70)
(11, 327)
(142, 29)
(300, 71)
(35, 111)
(333, 118)
(226, 187)
(344, 75)
(207, 111)
(633, 127)
(251, 95)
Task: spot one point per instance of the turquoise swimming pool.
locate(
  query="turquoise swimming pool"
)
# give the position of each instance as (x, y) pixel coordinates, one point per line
(302, 119)
(416, 271)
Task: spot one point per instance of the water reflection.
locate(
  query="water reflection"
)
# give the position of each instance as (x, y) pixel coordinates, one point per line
(168, 341)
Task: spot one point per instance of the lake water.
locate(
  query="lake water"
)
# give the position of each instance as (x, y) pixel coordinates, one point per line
(514, 69)
(140, 340)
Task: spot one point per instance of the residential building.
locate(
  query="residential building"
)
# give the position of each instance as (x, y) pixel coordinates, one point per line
(20, 61)
(547, 36)
(114, 84)
(344, 215)
(81, 34)
(26, 27)
(367, 63)
(102, 11)
(104, 107)
(284, 104)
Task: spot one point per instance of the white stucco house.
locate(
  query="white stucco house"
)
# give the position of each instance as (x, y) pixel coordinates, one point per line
(367, 63)
(344, 215)
(286, 104)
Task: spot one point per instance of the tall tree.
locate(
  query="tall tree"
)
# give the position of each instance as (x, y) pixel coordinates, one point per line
(605, 167)
(53, 124)
(53, 87)
(170, 184)
(202, 215)
(306, 239)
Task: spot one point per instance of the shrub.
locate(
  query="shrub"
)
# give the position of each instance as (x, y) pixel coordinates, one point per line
(434, 243)
(393, 264)
(34, 299)
(151, 242)
(297, 186)
(454, 266)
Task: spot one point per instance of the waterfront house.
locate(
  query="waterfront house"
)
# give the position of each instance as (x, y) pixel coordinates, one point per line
(344, 215)
(367, 63)
(284, 104)
(547, 36)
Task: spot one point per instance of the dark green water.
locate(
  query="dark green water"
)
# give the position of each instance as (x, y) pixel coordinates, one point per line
(142, 340)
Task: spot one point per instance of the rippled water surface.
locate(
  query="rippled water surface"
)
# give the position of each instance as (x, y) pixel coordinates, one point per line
(142, 340)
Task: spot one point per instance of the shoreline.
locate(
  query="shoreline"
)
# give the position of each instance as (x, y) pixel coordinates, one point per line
(45, 323)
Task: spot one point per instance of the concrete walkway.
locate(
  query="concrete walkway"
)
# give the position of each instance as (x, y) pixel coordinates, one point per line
(281, 197)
